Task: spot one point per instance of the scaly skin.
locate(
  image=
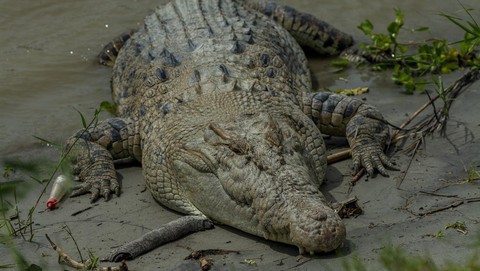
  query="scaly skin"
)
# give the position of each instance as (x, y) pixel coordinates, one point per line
(214, 98)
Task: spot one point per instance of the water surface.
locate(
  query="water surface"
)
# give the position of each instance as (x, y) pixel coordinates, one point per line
(48, 53)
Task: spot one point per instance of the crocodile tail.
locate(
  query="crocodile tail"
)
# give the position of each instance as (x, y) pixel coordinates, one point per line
(109, 53)
(305, 28)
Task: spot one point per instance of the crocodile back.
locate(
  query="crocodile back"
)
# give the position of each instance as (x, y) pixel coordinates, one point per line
(188, 48)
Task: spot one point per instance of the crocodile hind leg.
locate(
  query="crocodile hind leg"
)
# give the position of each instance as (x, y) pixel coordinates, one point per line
(92, 152)
(366, 130)
(109, 53)
(305, 28)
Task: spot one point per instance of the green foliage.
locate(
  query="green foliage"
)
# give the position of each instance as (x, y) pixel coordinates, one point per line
(473, 174)
(396, 259)
(385, 43)
(435, 56)
(10, 217)
(108, 107)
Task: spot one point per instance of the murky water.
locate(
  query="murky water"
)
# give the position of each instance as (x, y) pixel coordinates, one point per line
(48, 53)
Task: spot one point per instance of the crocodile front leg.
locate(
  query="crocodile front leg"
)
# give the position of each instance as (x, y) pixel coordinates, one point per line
(92, 152)
(362, 124)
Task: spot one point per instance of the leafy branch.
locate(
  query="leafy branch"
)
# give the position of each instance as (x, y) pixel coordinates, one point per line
(410, 62)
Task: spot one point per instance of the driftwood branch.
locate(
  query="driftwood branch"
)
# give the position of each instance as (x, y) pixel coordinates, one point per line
(169, 232)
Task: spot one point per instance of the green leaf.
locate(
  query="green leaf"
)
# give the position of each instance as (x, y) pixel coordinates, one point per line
(382, 42)
(340, 63)
(84, 122)
(107, 106)
(393, 29)
(399, 17)
(366, 27)
(457, 22)
(402, 48)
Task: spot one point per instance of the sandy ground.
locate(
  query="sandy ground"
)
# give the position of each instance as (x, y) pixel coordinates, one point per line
(392, 206)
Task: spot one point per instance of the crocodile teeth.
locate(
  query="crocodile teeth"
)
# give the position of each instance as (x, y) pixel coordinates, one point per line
(302, 250)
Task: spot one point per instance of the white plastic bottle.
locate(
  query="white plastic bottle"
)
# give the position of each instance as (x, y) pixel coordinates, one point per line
(59, 188)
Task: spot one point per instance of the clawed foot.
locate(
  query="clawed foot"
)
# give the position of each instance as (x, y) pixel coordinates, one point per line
(371, 157)
(98, 187)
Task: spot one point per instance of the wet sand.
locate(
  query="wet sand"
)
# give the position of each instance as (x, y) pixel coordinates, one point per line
(48, 72)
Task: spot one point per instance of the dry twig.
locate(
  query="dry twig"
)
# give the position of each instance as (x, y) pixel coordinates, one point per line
(434, 122)
(62, 256)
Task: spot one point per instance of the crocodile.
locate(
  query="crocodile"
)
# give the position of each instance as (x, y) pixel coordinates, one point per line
(214, 98)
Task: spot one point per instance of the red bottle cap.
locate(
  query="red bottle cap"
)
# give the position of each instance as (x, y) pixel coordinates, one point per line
(52, 203)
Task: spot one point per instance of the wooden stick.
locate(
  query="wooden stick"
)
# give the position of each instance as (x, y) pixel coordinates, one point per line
(62, 256)
(341, 155)
(171, 231)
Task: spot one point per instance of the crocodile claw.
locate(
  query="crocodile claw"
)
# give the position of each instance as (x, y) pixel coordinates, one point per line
(371, 157)
(97, 188)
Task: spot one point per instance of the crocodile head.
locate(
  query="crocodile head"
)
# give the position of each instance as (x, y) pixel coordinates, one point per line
(261, 173)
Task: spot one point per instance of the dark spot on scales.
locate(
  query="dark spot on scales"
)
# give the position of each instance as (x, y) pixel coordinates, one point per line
(322, 96)
(117, 124)
(169, 58)
(330, 104)
(349, 111)
(196, 75)
(143, 110)
(84, 134)
(249, 39)
(264, 60)
(164, 108)
(224, 69)
(271, 72)
(139, 48)
(161, 74)
(274, 93)
(237, 47)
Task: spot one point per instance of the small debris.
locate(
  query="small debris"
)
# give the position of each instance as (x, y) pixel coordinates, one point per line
(459, 226)
(250, 261)
(348, 208)
(352, 91)
(205, 262)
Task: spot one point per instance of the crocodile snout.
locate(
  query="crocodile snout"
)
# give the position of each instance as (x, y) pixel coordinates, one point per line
(317, 229)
